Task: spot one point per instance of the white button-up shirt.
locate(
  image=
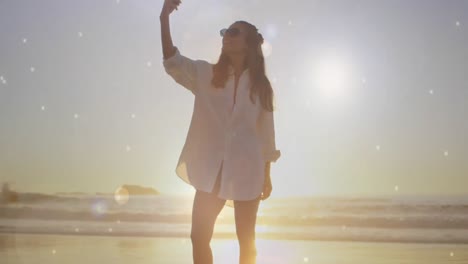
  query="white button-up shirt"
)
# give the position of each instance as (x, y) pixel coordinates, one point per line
(240, 136)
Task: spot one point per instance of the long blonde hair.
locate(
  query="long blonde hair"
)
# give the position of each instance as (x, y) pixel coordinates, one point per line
(255, 62)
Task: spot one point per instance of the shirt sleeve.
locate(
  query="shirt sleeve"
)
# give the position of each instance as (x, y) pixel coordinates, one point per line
(182, 69)
(266, 130)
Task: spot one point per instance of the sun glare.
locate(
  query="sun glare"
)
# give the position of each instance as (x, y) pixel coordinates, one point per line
(332, 77)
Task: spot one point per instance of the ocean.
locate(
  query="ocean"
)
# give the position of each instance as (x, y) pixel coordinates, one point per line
(421, 219)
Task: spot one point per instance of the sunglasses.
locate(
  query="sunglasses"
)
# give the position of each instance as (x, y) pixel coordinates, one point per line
(231, 32)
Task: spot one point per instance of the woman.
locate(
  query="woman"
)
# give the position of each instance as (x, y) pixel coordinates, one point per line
(231, 139)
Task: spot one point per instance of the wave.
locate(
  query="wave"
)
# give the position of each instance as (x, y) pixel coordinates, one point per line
(440, 220)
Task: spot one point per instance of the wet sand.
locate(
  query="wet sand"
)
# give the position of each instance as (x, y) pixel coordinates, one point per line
(41, 248)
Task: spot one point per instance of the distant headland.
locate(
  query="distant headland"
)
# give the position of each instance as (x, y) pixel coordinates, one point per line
(10, 196)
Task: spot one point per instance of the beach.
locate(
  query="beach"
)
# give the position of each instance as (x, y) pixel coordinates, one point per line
(71, 249)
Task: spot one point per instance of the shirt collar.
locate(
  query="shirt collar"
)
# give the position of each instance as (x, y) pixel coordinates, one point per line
(231, 70)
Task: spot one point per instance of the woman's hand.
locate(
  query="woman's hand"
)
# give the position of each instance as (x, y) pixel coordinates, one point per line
(169, 6)
(267, 187)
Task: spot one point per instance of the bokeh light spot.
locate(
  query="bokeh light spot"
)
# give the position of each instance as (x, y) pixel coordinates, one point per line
(121, 196)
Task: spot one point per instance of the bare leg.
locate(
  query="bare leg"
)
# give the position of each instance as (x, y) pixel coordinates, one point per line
(246, 217)
(206, 208)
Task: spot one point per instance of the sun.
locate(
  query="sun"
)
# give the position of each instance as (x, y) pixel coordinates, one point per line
(332, 77)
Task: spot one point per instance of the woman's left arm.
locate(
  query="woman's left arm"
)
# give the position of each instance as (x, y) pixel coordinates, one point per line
(266, 130)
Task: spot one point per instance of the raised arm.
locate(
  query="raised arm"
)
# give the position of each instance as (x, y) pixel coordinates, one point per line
(182, 69)
(166, 39)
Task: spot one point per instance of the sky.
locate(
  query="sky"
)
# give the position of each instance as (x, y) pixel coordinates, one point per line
(371, 96)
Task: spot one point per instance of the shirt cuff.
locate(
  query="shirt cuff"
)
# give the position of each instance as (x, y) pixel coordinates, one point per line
(273, 156)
